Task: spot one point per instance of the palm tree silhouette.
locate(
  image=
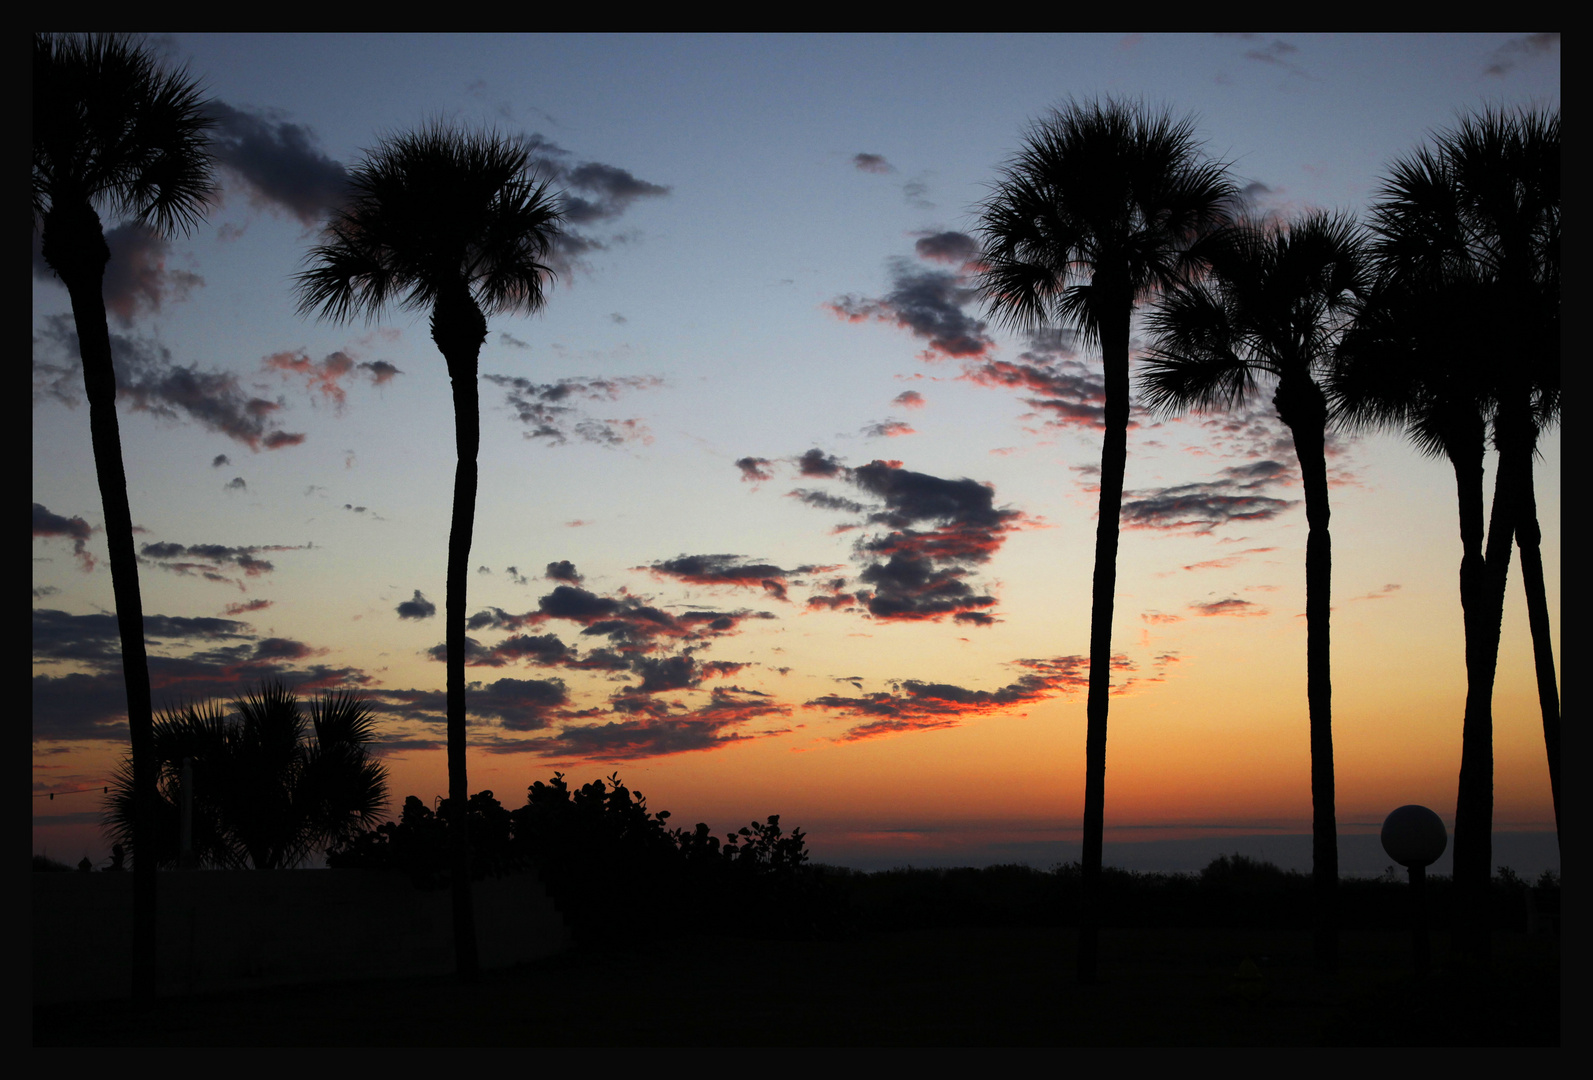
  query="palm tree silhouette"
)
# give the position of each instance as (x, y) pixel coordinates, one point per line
(1272, 309)
(114, 131)
(271, 787)
(1095, 213)
(1460, 335)
(454, 223)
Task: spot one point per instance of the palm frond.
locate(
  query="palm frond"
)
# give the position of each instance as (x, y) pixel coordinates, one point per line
(428, 209)
(1098, 209)
(1273, 303)
(115, 130)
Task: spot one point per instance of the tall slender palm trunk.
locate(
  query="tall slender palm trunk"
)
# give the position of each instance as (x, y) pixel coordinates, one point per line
(1529, 541)
(1303, 408)
(74, 245)
(1482, 590)
(1114, 461)
(458, 327)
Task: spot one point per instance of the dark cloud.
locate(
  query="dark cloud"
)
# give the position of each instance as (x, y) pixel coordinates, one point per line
(149, 381)
(219, 460)
(1063, 390)
(520, 704)
(1230, 606)
(279, 163)
(540, 650)
(246, 606)
(887, 429)
(48, 524)
(209, 560)
(237, 484)
(726, 570)
(417, 608)
(928, 304)
(958, 249)
(612, 189)
(1514, 51)
(873, 163)
(914, 705)
(662, 732)
(605, 193)
(936, 531)
(1203, 507)
(755, 469)
(325, 376)
(817, 463)
(563, 570)
(137, 280)
(823, 500)
(909, 399)
(189, 659)
(548, 413)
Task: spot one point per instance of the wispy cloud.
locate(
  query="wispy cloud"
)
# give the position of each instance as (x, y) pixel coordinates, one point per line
(548, 412)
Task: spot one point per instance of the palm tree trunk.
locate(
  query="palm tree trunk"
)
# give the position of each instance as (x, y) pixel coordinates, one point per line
(1303, 408)
(1114, 460)
(458, 328)
(74, 245)
(1529, 541)
(1482, 596)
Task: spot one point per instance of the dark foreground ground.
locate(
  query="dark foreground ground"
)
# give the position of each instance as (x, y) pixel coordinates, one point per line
(928, 987)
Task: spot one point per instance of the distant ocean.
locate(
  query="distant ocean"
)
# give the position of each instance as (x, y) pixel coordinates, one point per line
(1526, 853)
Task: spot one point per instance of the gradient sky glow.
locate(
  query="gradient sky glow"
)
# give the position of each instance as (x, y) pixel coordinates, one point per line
(770, 519)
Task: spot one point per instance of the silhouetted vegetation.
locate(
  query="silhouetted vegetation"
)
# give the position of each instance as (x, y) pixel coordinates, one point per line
(618, 872)
(614, 867)
(271, 786)
(115, 131)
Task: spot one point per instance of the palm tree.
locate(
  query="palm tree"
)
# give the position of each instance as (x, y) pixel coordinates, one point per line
(1094, 214)
(114, 131)
(1272, 309)
(451, 222)
(1462, 335)
(269, 787)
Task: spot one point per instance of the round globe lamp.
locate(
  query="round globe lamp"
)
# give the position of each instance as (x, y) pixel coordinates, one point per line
(1415, 837)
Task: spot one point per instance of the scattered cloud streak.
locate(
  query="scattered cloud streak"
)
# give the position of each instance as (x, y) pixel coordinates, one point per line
(75, 528)
(548, 411)
(150, 381)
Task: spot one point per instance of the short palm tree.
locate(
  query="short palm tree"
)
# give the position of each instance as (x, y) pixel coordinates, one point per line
(114, 132)
(453, 223)
(1270, 311)
(1467, 235)
(270, 787)
(1095, 213)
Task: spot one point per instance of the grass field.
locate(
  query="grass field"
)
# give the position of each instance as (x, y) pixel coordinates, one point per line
(930, 987)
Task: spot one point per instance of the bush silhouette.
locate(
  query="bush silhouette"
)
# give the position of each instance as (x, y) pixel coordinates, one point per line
(613, 866)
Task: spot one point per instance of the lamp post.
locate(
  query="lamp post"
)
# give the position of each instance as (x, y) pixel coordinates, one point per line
(1415, 837)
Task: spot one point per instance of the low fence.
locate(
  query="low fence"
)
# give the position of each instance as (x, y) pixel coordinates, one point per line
(243, 929)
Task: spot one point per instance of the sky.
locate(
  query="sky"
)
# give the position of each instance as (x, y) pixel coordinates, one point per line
(772, 518)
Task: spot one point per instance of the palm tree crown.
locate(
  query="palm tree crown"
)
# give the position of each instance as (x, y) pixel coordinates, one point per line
(1273, 306)
(1096, 211)
(428, 210)
(270, 788)
(113, 130)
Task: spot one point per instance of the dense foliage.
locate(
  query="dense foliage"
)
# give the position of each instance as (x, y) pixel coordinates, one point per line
(614, 867)
(272, 783)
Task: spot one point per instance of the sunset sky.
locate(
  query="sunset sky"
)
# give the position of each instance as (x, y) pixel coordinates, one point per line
(761, 376)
